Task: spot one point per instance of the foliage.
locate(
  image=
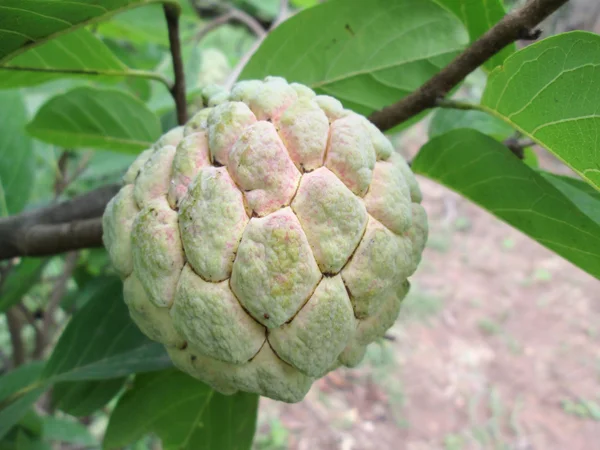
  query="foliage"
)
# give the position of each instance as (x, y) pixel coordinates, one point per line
(85, 86)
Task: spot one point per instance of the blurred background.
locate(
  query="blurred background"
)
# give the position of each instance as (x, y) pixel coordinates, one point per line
(497, 346)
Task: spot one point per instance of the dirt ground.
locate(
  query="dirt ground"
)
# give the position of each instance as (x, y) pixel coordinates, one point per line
(497, 347)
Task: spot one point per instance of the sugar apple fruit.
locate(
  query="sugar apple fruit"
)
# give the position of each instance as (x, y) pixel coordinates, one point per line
(269, 240)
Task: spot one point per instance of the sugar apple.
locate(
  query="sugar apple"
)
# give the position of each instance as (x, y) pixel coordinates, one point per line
(269, 240)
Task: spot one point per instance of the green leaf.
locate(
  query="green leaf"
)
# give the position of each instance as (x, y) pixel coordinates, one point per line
(367, 54)
(16, 152)
(32, 423)
(101, 342)
(304, 3)
(444, 120)
(96, 118)
(77, 51)
(143, 26)
(19, 390)
(184, 413)
(27, 23)
(579, 192)
(25, 442)
(487, 173)
(61, 430)
(530, 158)
(577, 183)
(479, 16)
(549, 91)
(19, 280)
(82, 398)
(146, 26)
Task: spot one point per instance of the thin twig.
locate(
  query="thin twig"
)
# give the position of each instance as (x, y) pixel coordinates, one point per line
(14, 328)
(250, 22)
(237, 70)
(212, 25)
(512, 27)
(58, 293)
(67, 180)
(27, 315)
(61, 173)
(178, 88)
(518, 146)
(31, 320)
(232, 15)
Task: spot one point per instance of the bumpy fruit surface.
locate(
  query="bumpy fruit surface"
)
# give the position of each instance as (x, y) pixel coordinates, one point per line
(268, 241)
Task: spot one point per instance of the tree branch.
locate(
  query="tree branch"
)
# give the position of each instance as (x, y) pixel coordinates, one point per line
(58, 228)
(60, 288)
(14, 328)
(178, 88)
(514, 26)
(518, 146)
(231, 15)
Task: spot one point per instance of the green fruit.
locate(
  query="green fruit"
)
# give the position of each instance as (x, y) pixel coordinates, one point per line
(269, 240)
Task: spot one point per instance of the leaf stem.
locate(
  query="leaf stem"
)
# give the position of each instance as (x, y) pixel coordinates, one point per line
(109, 73)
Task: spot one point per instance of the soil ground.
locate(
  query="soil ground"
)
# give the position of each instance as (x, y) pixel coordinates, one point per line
(497, 347)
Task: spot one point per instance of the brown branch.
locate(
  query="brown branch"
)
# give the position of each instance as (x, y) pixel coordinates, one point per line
(31, 320)
(514, 26)
(178, 88)
(61, 173)
(65, 179)
(14, 328)
(231, 15)
(60, 288)
(518, 146)
(58, 228)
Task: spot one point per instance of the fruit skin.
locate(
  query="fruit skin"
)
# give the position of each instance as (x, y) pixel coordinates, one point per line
(269, 240)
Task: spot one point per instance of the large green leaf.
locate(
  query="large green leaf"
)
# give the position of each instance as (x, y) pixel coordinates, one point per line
(101, 342)
(16, 153)
(184, 413)
(486, 172)
(550, 91)
(367, 54)
(82, 398)
(96, 118)
(19, 280)
(479, 16)
(22, 384)
(27, 23)
(77, 51)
